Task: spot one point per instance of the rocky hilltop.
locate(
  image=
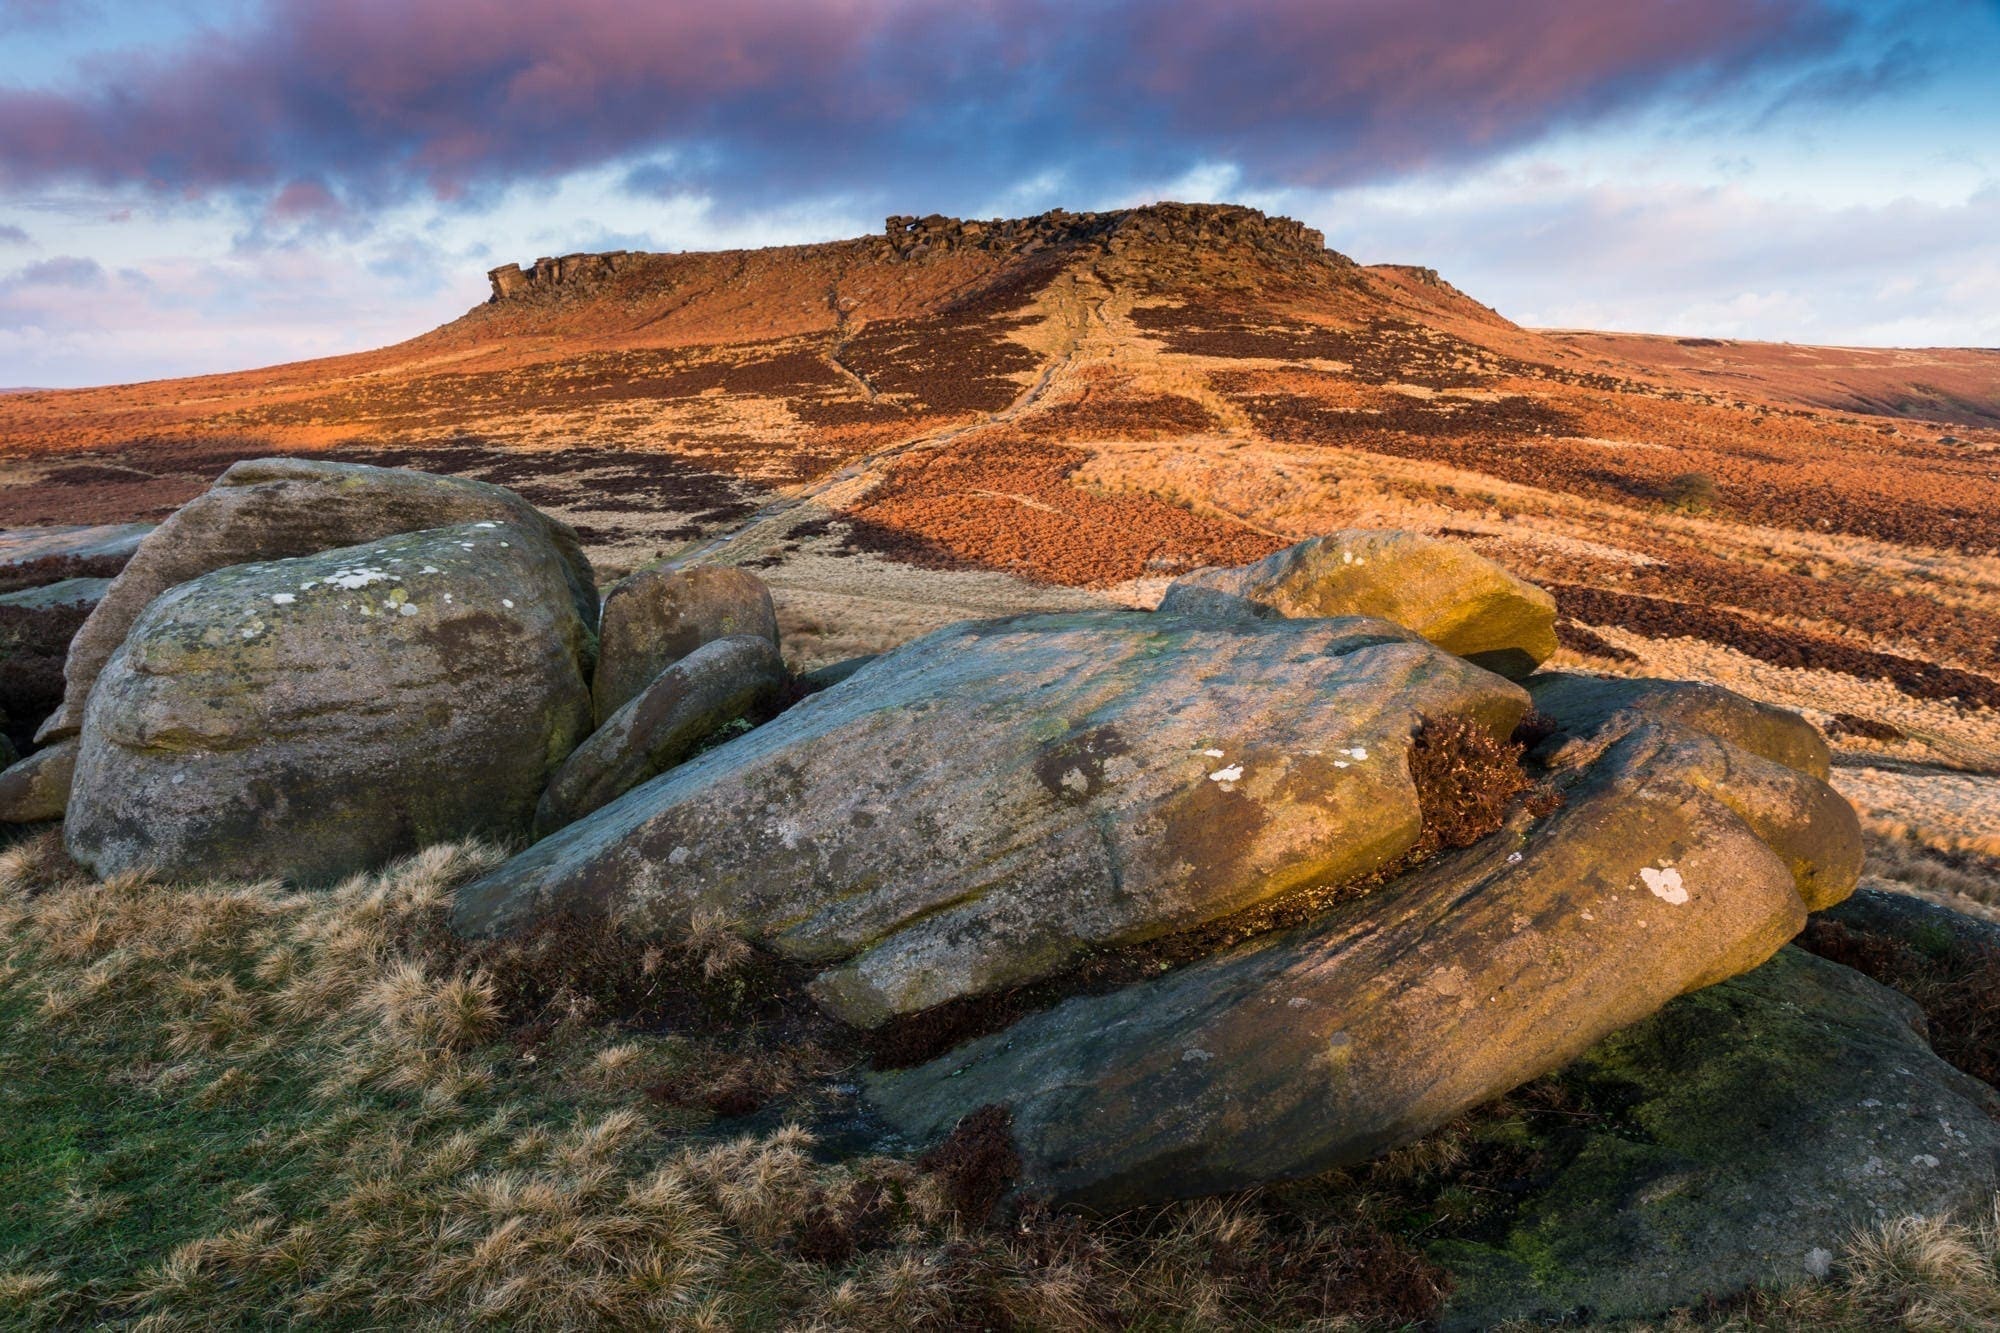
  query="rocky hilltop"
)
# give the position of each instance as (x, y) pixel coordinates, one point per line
(913, 239)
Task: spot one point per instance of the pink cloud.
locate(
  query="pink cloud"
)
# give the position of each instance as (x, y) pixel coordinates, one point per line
(372, 99)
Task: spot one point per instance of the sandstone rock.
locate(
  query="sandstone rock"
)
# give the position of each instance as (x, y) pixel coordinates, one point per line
(307, 718)
(1760, 1124)
(33, 557)
(37, 788)
(36, 625)
(658, 616)
(976, 808)
(64, 593)
(1930, 929)
(1585, 706)
(1388, 1016)
(830, 675)
(663, 724)
(1774, 749)
(1447, 592)
(269, 508)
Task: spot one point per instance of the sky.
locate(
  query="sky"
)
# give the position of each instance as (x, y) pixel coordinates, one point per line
(202, 185)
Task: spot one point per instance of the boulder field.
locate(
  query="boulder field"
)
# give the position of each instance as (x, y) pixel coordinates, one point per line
(1375, 867)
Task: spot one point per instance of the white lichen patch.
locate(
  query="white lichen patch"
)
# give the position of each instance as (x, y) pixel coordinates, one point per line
(407, 609)
(351, 579)
(1213, 754)
(507, 602)
(1665, 884)
(283, 598)
(1229, 774)
(1355, 752)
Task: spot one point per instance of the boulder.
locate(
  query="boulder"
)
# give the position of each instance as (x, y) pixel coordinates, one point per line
(688, 703)
(1934, 931)
(1774, 748)
(37, 788)
(980, 807)
(1447, 592)
(302, 719)
(268, 508)
(1675, 863)
(1756, 1127)
(33, 557)
(1587, 706)
(658, 616)
(73, 594)
(36, 625)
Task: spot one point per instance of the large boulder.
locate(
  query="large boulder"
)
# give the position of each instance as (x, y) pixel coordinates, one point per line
(269, 508)
(687, 704)
(37, 788)
(656, 617)
(1677, 860)
(982, 806)
(306, 718)
(1754, 1128)
(1445, 591)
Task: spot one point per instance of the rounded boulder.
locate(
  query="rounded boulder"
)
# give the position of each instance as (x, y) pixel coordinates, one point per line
(304, 719)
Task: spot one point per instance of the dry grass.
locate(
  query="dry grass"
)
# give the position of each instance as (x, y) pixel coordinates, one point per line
(415, 1137)
(352, 1124)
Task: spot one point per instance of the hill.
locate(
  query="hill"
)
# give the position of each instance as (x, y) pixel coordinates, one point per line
(956, 418)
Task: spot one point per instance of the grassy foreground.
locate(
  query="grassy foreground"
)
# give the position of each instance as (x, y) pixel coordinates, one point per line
(229, 1105)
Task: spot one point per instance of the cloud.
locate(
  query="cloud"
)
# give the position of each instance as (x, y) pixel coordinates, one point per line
(12, 235)
(60, 271)
(20, 15)
(313, 102)
(1716, 260)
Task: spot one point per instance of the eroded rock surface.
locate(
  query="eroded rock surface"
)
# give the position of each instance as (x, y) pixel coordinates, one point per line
(1677, 861)
(268, 508)
(307, 718)
(1761, 1123)
(713, 686)
(37, 788)
(658, 616)
(974, 809)
(1445, 591)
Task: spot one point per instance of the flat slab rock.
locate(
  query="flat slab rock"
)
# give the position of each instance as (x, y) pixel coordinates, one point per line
(973, 810)
(304, 719)
(93, 542)
(1679, 859)
(1763, 1122)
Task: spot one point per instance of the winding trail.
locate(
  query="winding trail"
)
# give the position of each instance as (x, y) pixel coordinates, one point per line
(842, 488)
